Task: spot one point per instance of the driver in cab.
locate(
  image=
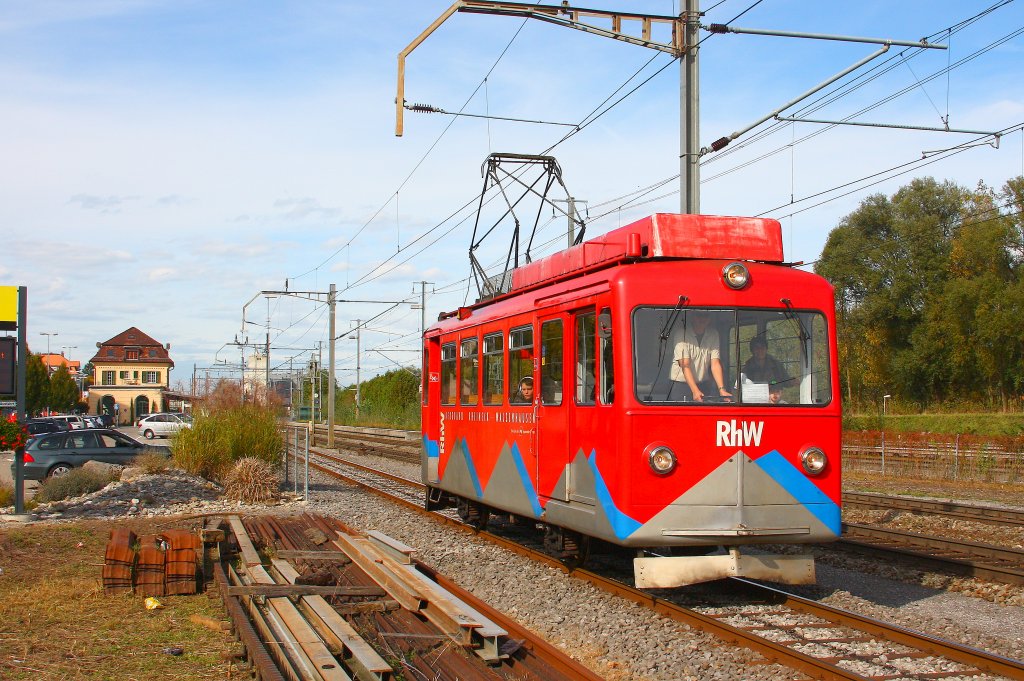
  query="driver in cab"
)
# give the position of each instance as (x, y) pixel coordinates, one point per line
(697, 360)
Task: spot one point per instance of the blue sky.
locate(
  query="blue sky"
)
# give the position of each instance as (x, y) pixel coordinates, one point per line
(164, 161)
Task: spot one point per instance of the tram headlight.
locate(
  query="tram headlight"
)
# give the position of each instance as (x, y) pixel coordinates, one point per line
(661, 460)
(735, 275)
(813, 460)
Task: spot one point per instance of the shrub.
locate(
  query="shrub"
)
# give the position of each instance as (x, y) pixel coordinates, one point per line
(218, 439)
(76, 482)
(6, 496)
(152, 462)
(252, 480)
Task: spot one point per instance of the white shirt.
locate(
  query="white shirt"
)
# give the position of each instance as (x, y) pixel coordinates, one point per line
(700, 352)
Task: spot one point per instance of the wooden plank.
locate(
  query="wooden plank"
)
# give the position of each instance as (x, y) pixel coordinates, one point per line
(281, 648)
(332, 556)
(250, 555)
(401, 552)
(452, 615)
(369, 561)
(286, 590)
(367, 664)
(322, 664)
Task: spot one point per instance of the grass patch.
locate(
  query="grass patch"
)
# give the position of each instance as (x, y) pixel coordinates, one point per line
(151, 463)
(217, 440)
(56, 623)
(951, 424)
(74, 483)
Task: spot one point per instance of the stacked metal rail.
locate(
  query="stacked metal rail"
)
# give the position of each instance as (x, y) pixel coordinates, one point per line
(323, 602)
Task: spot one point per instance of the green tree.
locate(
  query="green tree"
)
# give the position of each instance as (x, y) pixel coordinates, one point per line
(37, 385)
(928, 293)
(63, 391)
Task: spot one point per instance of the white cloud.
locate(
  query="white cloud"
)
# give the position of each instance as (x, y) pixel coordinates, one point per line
(162, 274)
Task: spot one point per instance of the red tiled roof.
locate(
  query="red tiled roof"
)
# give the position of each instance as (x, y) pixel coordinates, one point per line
(115, 349)
(53, 361)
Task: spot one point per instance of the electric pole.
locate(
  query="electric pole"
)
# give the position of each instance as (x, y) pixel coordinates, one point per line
(331, 304)
(358, 364)
(689, 109)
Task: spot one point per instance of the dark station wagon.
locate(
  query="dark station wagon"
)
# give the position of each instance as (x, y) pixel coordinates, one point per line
(54, 454)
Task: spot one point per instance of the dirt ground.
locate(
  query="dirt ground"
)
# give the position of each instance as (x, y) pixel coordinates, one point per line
(56, 622)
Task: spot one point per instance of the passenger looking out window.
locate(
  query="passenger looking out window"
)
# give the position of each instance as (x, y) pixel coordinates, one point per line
(520, 361)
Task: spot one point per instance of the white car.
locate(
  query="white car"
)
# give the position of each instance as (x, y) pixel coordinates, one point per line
(73, 421)
(163, 425)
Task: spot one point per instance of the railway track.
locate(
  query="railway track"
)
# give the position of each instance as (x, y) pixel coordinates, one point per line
(973, 512)
(817, 640)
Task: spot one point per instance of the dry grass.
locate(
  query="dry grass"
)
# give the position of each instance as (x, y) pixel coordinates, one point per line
(151, 462)
(56, 623)
(252, 481)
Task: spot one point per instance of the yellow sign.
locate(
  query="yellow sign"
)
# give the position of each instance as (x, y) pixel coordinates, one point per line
(8, 306)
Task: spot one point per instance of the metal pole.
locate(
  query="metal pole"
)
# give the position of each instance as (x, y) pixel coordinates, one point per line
(295, 462)
(266, 356)
(689, 104)
(21, 404)
(358, 365)
(571, 227)
(306, 489)
(330, 359)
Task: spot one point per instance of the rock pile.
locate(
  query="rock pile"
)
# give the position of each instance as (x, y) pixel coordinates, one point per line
(174, 492)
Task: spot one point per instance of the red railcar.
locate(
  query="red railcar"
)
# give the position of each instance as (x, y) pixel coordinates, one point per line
(683, 398)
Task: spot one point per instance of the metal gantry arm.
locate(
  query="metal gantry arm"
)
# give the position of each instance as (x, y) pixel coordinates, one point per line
(560, 15)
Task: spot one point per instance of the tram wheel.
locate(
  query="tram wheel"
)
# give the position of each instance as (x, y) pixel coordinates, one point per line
(571, 548)
(472, 513)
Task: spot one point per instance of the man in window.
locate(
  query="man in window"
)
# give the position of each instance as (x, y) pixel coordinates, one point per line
(697, 359)
(763, 368)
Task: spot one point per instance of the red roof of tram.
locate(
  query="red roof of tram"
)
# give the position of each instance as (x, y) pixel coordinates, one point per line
(665, 235)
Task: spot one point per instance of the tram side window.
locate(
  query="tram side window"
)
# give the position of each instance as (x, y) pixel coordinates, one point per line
(551, 335)
(448, 373)
(586, 361)
(607, 370)
(468, 369)
(520, 363)
(494, 369)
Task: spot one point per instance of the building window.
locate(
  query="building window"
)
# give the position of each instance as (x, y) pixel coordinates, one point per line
(124, 375)
(131, 354)
(109, 377)
(150, 376)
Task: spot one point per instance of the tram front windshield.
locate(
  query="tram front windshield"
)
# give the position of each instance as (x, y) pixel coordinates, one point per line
(722, 356)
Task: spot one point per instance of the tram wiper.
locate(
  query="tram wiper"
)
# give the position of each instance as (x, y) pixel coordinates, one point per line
(663, 341)
(804, 336)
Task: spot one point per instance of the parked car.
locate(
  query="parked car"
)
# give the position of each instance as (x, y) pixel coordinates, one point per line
(54, 454)
(37, 427)
(74, 421)
(163, 425)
